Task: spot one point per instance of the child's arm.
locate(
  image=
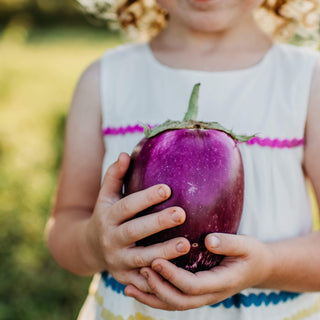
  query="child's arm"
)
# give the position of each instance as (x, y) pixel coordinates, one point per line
(89, 229)
(290, 265)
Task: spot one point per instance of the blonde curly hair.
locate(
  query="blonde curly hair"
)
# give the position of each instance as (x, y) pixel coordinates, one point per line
(281, 18)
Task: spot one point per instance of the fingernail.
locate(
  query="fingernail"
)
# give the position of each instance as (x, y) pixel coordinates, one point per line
(157, 268)
(176, 216)
(181, 247)
(214, 241)
(145, 274)
(162, 192)
(127, 292)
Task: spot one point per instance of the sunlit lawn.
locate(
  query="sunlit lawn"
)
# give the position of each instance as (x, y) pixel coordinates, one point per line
(38, 72)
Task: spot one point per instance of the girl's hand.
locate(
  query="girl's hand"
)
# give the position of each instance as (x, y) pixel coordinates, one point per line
(111, 235)
(247, 264)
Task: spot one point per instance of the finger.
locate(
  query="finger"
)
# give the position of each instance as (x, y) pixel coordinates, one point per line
(142, 227)
(229, 244)
(134, 203)
(185, 281)
(136, 279)
(171, 296)
(113, 179)
(143, 256)
(146, 298)
(216, 280)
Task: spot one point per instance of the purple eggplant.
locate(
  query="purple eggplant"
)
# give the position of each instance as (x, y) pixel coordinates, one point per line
(202, 165)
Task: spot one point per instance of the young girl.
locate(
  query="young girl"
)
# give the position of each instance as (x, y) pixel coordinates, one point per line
(249, 84)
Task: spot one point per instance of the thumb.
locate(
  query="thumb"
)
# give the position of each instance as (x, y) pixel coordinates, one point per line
(113, 179)
(228, 244)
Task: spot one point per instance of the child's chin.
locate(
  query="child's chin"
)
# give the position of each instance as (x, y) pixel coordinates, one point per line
(214, 23)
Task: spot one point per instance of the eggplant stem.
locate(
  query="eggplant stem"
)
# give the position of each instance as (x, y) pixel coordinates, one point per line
(189, 121)
(193, 108)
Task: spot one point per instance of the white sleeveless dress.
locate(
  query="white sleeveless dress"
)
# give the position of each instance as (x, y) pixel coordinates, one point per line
(269, 99)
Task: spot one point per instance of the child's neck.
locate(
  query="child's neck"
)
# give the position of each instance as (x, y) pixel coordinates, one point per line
(236, 48)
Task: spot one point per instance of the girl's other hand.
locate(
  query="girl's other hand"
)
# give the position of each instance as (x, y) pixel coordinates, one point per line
(246, 264)
(112, 234)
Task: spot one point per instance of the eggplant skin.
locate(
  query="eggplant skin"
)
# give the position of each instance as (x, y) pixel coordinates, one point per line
(204, 170)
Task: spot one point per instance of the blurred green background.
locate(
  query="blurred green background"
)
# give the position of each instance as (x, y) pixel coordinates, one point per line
(44, 47)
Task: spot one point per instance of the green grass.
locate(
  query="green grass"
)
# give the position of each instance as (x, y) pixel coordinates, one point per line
(39, 70)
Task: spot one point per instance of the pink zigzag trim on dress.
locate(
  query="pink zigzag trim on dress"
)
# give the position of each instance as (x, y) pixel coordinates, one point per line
(263, 142)
(276, 143)
(114, 131)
